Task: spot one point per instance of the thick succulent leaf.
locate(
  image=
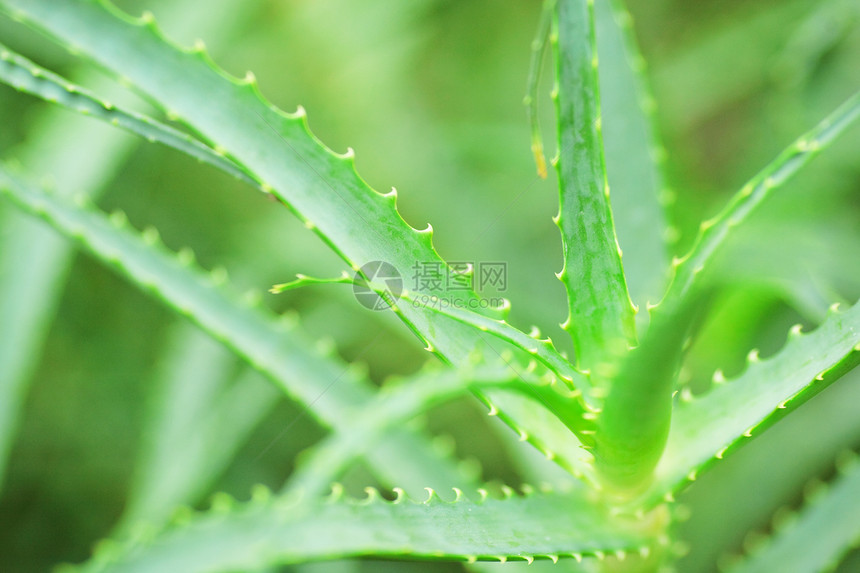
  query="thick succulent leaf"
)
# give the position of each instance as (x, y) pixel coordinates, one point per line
(396, 405)
(199, 415)
(637, 413)
(705, 427)
(320, 186)
(264, 532)
(634, 157)
(714, 232)
(820, 535)
(601, 315)
(25, 76)
(273, 346)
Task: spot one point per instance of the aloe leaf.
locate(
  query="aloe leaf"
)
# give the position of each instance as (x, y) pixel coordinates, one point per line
(714, 232)
(541, 349)
(320, 186)
(198, 418)
(634, 156)
(533, 420)
(633, 426)
(274, 347)
(819, 535)
(243, 537)
(397, 405)
(636, 414)
(601, 319)
(23, 75)
(704, 428)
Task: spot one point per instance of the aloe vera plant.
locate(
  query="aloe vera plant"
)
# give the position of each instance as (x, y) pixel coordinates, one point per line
(622, 428)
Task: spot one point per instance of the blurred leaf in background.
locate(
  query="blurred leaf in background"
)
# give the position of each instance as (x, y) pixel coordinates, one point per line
(429, 94)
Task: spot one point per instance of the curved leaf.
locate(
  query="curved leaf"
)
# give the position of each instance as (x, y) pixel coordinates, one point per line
(635, 419)
(23, 75)
(272, 346)
(714, 232)
(543, 350)
(397, 405)
(80, 156)
(266, 532)
(705, 427)
(320, 186)
(634, 425)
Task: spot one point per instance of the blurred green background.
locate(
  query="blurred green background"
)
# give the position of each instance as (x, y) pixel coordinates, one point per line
(429, 94)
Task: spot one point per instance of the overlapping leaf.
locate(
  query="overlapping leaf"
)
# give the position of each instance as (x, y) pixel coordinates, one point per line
(25, 76)
(397, 405)
(634, 156)
(321, 186)
(705, 427)
(272, 346)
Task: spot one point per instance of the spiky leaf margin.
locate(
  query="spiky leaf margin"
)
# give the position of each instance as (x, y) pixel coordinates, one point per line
(600, 319)
(274, 347)
(25, 76)
(319, 185)
(265, 531)
(706, 428)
